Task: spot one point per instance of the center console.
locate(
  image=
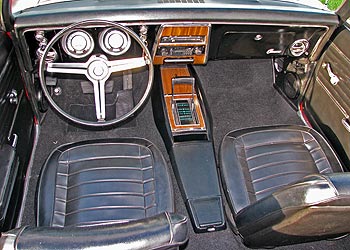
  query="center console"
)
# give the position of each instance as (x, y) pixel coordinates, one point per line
(184, 122)
(181, 101)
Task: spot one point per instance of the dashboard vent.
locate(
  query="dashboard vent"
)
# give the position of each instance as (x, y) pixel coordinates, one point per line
(181, 1)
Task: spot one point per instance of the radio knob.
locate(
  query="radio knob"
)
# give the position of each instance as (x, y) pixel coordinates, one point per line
(164, 52)
(198, 51)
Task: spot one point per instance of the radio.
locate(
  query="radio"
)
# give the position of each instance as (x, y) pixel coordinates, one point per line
(183, 39)
(180, 50)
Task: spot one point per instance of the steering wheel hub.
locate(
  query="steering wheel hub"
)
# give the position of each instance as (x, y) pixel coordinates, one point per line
(98, 69)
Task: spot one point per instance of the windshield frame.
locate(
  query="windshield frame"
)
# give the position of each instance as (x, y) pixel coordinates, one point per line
(21, 5)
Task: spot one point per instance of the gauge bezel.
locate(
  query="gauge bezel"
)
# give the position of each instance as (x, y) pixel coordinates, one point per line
(66, 46)
(102, 39)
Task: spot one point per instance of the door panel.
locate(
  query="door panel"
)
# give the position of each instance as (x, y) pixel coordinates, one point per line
(16, 123)
(327, 100)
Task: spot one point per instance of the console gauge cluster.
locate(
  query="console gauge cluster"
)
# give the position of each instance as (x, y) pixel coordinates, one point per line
(80, 43)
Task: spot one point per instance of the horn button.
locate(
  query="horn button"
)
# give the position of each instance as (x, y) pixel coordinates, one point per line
(98, 69)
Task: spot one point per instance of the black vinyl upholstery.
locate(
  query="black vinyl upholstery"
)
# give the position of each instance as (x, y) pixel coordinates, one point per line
(101, 182)
(157, 232)
(281, 185)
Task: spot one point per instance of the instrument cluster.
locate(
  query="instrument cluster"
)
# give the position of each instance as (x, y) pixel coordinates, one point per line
(80, 43)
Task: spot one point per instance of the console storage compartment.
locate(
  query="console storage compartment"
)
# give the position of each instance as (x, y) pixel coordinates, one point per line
(195, 167)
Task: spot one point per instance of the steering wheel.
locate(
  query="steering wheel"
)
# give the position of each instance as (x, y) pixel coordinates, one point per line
(97, 69)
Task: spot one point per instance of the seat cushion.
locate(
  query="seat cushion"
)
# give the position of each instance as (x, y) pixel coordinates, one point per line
(255, 162)
(104, 181)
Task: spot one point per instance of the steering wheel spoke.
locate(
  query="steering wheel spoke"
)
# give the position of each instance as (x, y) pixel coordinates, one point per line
(127, 64)
(100, 100)
(67, 68)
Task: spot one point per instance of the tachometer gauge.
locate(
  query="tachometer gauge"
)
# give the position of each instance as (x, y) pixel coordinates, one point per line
(114, 42)
(78, 43)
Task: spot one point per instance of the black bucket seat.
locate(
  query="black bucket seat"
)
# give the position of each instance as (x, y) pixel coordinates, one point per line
(284, 185)
(104, 194)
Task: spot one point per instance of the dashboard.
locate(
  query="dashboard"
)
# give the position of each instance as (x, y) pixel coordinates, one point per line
(199, 31)
(186, 42)
(191, 33)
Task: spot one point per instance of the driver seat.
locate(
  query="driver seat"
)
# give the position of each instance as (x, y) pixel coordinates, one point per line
(108, 182)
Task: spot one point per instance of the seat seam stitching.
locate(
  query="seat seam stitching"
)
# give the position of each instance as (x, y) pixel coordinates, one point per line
(312, 155)
(250, 176)
(143, 184)
(273, 153)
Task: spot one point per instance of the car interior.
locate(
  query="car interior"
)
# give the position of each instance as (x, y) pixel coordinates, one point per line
(187, 124)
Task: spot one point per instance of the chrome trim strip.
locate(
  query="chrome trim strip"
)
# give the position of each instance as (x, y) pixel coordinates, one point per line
(179, 60)
(302, 118)
(346, 124)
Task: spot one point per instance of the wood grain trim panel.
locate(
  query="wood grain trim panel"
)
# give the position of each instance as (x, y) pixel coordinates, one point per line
(181, 92)
(168, 74)
(183, 30)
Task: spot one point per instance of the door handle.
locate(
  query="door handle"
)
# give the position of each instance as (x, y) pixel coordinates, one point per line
(346, 124)
(334, 79)
(13, 140)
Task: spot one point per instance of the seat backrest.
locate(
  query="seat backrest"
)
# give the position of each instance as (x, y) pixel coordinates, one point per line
(316, 207)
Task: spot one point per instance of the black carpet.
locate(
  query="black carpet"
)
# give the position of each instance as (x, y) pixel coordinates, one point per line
(240, 94)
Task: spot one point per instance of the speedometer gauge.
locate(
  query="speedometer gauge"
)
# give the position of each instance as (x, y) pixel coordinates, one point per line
(114, 42)
(78, 43)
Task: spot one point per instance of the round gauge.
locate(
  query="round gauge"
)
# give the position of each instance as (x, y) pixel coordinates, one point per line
(78, 43)
(114, 42)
